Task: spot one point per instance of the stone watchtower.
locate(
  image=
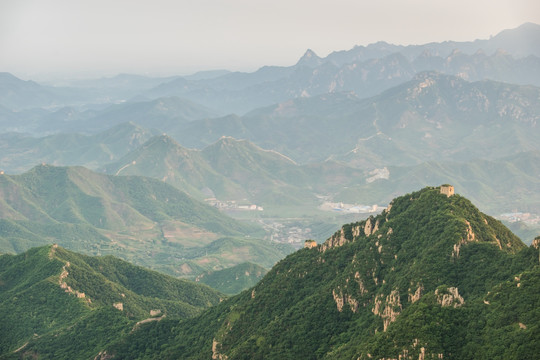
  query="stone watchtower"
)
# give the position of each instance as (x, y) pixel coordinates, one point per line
(310, 244)
(447, 190)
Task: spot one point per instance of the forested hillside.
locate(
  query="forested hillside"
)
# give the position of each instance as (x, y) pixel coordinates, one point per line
(57, 304)
(428, 277)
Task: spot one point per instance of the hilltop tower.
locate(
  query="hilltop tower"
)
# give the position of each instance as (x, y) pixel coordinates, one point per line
(310, 244)
(447, 190)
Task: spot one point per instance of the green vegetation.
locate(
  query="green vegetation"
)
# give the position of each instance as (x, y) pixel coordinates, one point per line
(431, 276)
(417, 278)
(142, 220)
(61, 304)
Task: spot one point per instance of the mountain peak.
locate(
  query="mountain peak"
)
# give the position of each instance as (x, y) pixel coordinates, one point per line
(432, 204)
(309, 59)
(309, 54)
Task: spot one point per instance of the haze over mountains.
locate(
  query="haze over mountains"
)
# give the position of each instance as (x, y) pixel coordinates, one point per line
(218, 176)
(368, 108)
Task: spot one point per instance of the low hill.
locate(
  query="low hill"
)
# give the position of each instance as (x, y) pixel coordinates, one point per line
(55, 303)
(430, 277)
(139, 219)
(163, 158)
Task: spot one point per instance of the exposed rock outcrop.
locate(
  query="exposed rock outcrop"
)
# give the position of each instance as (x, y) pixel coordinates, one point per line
(216, 355)
(358, 279)
(53, 251)
(417, 294)
(103, 356)
(336, 240)
(388, 309)
(341, 299)
(61, 281)
(470, 236)
(449, 297)
(536, 242)
(369, 227)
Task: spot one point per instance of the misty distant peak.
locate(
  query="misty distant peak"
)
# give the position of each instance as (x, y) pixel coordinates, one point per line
(309, 59)
(309, 54)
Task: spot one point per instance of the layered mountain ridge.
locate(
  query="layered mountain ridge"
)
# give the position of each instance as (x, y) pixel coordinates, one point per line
(138, 219)
(433, 116)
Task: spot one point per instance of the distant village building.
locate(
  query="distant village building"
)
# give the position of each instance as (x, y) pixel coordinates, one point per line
(310, 244)
(447, 190)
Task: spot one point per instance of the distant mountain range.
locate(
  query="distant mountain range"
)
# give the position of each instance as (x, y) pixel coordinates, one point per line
(521, 42)
(22, 152)
(510, 56)
(167, 114)
(365, 78)
(231, 169)
(431, 117)
(496, 186)
(237, 170)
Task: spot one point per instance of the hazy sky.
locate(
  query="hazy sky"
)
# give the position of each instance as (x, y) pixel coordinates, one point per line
(183, 36)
